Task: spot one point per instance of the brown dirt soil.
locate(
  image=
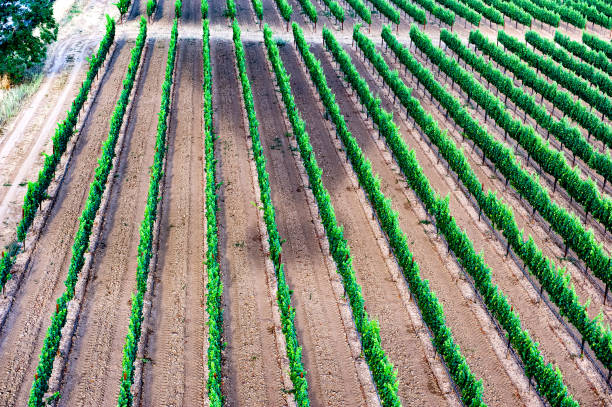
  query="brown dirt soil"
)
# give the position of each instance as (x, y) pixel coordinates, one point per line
(382, 298)
(30, 133)
(246, 15)
(332, 375)
(21, 152)
(272, 15)
(26, 325)
(252, 370)
(461, 319)
(504, 271)
(254, 360)
(97, 348)
(174, 374)
(216, 11)
(190, 13)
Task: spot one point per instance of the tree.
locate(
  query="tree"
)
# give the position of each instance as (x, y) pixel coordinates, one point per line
(26, 27)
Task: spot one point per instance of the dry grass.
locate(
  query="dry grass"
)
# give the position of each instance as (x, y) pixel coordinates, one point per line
(11, 98)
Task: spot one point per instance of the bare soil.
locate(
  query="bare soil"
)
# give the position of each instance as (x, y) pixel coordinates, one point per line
(173, 374)
(252, 370)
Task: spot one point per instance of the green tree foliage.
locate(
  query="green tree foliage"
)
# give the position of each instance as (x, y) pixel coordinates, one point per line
(386, 9)
(584, 70)
(567, 226)
(204, 9)
(591, 13)
(539, 13)
(462, 10)
(214, 286)
(489, 12)
(566, 13)
(598, 100)
(444, 15)
(310, 10)
(560, 99)
(411, 9)
(258, 7)
(336, 9)
(151, 6)
(361, 9)
(231, 9)
(123, 6)
(511, 11)
(26, 28)
(601, 6)
(550, 160)
(598, 44)
(285, 10)
(568, 135)
(596, 58)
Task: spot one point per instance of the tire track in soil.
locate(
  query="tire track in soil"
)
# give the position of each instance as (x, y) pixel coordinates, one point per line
(93, 370)
(475, 344)
(418, 385)
(25, 328)
(535, 316)
(251, 362)
(332, 374)
(174, 374)
(20, 163)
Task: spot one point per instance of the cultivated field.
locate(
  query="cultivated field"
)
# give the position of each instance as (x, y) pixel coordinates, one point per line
(282, 213)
